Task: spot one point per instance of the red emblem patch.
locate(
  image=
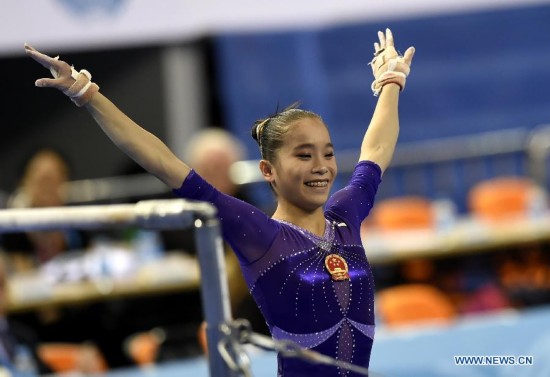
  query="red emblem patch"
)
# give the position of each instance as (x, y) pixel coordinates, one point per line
(337, 266)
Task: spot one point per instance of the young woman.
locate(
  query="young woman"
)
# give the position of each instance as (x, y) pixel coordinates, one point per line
(305, 265)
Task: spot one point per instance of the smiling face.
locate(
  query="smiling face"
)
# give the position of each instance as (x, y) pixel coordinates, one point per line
(305, 167)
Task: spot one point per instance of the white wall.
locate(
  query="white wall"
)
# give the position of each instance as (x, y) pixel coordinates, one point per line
(85, 24)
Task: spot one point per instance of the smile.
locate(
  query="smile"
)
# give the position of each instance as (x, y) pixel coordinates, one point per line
(317, 183)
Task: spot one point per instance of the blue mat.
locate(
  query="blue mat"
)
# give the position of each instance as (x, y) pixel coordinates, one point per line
(426, 352)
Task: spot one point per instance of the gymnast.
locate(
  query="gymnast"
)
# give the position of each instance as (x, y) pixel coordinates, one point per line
(305, 265)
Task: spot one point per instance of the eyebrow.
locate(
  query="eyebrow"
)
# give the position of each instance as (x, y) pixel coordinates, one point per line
(311, 145)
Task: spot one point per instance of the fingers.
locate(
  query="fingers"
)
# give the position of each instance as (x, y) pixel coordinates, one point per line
(388, 66)
(50, 83)
(58, 68)
(386, 41)
(389, 38)
(45, 60)
(28, 47)
(409, 55)
(382, 39)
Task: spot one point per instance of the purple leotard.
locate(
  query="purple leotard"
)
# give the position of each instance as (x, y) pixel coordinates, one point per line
(284, 267)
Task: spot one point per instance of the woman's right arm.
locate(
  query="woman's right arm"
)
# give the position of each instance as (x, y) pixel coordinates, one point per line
(140, 145)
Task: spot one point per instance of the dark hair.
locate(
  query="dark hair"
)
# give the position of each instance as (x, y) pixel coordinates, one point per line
(269, 132)
(37, 151)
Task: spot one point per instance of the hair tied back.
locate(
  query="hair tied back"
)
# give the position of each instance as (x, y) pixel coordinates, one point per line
(260, 129)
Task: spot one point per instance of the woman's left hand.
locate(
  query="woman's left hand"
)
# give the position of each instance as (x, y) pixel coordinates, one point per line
(388, 66)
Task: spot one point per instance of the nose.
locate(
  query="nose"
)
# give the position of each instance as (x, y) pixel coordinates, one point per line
(321, 170)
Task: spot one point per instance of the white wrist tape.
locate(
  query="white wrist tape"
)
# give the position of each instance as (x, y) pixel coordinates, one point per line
(83, 89)
(394, 71)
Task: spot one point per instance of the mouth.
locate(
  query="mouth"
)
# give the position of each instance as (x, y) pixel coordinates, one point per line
(317, 183)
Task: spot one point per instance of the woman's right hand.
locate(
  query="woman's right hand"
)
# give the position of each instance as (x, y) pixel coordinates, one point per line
(77, 85)
(61, 71)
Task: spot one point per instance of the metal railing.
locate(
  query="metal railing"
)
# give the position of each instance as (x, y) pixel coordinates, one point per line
(151, 214)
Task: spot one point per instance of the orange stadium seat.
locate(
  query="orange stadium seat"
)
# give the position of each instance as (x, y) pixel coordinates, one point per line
(406, 212)
(69, 357)
(501, 198)
(410, 304)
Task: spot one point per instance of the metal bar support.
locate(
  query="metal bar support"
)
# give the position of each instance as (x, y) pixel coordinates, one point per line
(151, 214)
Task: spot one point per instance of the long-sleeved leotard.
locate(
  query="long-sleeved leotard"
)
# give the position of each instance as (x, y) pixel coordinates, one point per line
(284, 267)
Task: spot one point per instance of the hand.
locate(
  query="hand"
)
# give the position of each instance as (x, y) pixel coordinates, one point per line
(388, 66)
(61, 71)
(77, 85)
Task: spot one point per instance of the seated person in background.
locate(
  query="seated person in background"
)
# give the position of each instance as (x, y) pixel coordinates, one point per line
(41, 185)
(212, 151)
(18, 343)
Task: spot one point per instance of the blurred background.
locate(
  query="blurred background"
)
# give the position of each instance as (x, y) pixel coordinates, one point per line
(463, 208)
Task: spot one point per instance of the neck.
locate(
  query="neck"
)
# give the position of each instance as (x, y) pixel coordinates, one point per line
(313, 221)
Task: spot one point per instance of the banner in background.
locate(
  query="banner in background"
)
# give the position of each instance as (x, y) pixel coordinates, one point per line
(85, 24)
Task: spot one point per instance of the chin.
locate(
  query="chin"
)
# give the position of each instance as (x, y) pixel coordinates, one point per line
(316, 204)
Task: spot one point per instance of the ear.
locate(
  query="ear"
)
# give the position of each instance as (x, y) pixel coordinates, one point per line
(266, 168)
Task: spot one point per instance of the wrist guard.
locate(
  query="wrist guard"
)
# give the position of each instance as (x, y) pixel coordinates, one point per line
(388, 71)
(83, 89)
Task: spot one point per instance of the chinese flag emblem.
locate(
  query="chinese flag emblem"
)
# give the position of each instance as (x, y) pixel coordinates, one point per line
(337, 267)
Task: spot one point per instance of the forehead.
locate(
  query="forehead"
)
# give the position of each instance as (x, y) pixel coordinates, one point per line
(308, 130)
(46, 162)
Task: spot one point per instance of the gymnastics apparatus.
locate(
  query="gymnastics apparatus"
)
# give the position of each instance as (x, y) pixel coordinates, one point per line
(226, 337)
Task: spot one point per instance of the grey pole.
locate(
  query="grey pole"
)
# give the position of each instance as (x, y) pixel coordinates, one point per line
(214, 290)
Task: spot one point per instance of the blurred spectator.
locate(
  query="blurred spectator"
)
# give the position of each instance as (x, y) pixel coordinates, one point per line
(41, 185)
(211, 153)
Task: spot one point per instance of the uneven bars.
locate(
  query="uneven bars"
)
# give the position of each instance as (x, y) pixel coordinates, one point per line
(151, 214)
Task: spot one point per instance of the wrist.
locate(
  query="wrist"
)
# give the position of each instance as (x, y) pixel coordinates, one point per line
(392, 71)
(392, 86)
(82, 89)
(389, 79)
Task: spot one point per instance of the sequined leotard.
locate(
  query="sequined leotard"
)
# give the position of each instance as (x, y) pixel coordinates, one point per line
(284, 267)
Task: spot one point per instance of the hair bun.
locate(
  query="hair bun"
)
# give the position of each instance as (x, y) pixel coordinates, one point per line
(254, 131)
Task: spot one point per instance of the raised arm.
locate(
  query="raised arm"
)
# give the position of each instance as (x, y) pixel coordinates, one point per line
(140, 145)
(390, 72)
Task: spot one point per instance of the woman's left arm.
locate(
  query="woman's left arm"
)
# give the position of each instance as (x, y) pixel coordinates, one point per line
(390, 72)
